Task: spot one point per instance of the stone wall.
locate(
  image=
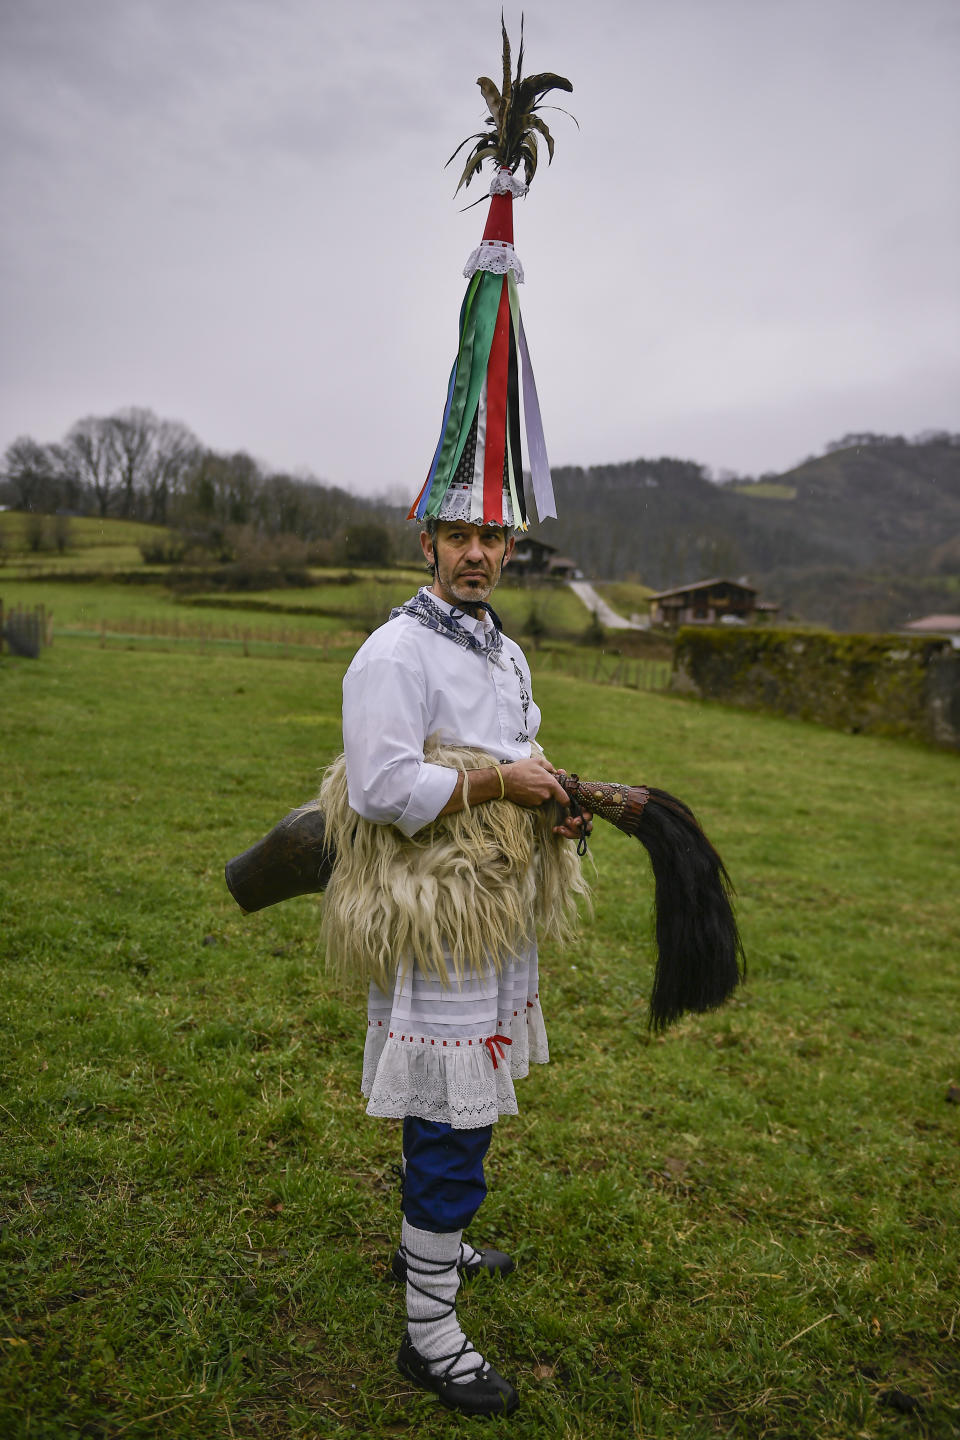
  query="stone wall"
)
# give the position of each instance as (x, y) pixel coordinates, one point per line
(878, 684)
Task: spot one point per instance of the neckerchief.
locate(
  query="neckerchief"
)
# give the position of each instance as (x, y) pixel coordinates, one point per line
(423, 608)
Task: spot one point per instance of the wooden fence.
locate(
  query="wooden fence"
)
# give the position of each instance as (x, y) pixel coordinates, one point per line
(131, 627)
(28, 630)
(25, 632)
(606, 669)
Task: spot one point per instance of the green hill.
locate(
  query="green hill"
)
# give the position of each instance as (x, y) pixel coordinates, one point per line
(865, 536)
(876, 522)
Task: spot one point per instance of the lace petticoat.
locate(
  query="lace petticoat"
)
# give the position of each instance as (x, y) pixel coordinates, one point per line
(453, 1056)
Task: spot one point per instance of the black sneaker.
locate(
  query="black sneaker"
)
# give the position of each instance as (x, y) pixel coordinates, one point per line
(486, 1262)
(486, 1394)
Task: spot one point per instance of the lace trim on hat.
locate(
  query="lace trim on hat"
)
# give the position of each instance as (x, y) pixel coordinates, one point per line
(505, 183)
(497, 256)
(456, 504)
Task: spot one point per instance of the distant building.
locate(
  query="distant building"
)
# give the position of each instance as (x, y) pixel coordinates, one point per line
(708, 602)
(947, 625)
(561, 567)
(530, 556)
(535, 557)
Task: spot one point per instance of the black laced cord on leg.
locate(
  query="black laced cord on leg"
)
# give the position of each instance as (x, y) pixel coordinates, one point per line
(419, 1265)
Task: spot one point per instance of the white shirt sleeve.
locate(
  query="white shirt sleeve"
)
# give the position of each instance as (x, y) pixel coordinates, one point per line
(385, 720)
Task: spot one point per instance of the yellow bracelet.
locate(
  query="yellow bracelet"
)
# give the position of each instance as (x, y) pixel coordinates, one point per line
(499, 770)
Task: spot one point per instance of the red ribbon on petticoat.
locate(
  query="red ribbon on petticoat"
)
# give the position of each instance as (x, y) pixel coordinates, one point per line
(496, 1043)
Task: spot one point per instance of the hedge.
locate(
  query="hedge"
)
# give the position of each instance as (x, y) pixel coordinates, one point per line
(877, 684)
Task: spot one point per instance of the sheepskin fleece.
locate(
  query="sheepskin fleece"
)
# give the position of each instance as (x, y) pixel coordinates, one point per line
(474, 886)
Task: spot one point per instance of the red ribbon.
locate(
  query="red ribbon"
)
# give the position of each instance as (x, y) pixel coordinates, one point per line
(496, 437)
(496, 1043)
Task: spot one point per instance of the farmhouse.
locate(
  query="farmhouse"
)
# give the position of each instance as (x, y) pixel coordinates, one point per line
(535, 557)
(562, 567)
(531, 557)
(707, 602)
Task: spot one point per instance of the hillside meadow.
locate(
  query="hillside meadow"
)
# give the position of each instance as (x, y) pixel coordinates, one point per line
(746, 1228)
(88, 542)
(123, 602)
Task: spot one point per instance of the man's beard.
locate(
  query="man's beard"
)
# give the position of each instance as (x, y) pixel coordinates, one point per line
(470, 592)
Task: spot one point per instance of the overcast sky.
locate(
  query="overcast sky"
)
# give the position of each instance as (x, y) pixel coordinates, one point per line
(235, 213)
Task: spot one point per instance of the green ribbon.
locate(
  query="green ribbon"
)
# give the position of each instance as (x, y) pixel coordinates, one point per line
(480, 317)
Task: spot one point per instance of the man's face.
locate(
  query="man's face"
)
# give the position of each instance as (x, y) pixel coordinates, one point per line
(467, 559)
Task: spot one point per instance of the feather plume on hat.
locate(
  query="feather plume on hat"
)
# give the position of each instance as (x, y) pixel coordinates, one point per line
(477, 469)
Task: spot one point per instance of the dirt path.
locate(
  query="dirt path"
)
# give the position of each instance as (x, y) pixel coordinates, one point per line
(584, 591)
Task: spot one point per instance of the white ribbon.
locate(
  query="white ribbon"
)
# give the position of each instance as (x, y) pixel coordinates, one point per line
(536, 445)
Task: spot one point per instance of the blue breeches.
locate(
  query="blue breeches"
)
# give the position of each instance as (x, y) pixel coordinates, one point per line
(443, 1185)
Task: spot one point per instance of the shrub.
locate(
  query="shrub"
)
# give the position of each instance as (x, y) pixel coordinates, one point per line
(164, 550)
(61, 533)
(35, 531)
(535, 626)
(367, 543)
(594, 633)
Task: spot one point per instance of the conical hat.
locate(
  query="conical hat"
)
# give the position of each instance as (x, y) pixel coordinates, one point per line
(477, 470)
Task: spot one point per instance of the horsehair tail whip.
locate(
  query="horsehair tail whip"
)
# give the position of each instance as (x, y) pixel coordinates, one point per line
(699, 952)
(700, 957)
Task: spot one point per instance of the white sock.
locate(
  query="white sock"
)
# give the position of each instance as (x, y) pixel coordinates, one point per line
(467, 1253)
(432, 1282)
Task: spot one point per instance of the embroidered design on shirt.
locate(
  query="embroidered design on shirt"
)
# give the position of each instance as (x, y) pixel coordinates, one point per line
(523, 738)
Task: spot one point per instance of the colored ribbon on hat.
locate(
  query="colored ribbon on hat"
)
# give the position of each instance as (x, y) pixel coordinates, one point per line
(496, 434)
(536, 445)
(491, 374)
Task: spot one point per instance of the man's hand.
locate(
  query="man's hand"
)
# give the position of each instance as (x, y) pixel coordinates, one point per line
(529, 783)
(532, 782)
(575, 826)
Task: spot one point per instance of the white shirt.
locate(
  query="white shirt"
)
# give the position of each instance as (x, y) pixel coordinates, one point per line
(408, 682)
(450, 1052)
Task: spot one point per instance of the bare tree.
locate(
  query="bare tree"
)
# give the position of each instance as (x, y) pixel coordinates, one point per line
(90, 459)
(152, 457)
(32, 474)
(280, 507)
(220, 490)
(131, 433)
(175, 453)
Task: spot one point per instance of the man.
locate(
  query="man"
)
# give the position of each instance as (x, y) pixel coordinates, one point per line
(454, 1013)
(442, 1052)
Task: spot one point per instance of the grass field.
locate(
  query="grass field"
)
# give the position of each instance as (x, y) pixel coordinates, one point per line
(747, 1228)
(333, 618)
(91, 544)
(372, 597)
(626, 597)
(364, 602)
